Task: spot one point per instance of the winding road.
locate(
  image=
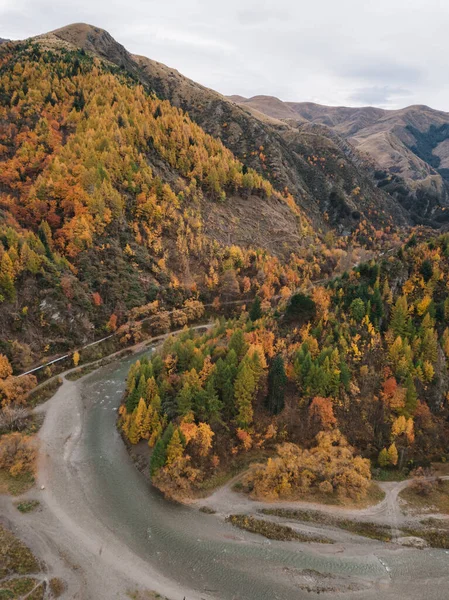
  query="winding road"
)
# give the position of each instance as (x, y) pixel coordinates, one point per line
(107, 533)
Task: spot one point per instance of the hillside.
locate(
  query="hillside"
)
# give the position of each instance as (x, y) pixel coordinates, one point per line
(282, 154)
(358, 363)
(111, 198)
(408, 147)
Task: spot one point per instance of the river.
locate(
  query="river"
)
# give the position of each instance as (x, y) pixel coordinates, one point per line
(201, 552)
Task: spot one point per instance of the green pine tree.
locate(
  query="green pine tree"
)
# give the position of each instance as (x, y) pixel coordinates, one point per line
(159, 456)
(400, 321)
(256, 310)
(411, 397)
(184, 400)
(238, 344)
(277, 380)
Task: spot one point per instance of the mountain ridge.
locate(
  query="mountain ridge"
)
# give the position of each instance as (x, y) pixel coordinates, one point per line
(408, 144)
(286, 153)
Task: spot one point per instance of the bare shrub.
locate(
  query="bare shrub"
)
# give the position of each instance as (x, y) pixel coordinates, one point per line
(13, 418)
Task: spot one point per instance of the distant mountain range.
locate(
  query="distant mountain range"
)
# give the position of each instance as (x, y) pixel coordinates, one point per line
(408, 148)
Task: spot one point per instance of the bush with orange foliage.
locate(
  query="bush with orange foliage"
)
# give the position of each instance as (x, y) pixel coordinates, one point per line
(14, 390)
(5, 367)
(329, 467)
(17, 453)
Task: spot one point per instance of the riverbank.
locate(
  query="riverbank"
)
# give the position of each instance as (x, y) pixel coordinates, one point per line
(64, 534)
(104, 531)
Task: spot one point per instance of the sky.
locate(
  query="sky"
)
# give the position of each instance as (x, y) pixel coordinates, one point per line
(386, 53)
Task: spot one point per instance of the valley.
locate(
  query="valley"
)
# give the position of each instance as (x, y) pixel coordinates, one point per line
(109, 538)
(224, 349)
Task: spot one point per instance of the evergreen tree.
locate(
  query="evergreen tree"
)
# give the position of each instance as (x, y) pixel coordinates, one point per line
(345, 374)
(317, 381)
(237, 344)
(44, 233)
(411, 397)
(184, 400)
(132, 400)
(357, 309)
(377, 306)
(277, 380)
(426, 270)
(142, 386)
(256, 311)
(400, 321)
(224, 376)
(213, 404)
(159, 456)
(232, 360)
(301, 308)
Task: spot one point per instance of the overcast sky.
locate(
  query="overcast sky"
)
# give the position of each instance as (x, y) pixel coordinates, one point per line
(388, 53)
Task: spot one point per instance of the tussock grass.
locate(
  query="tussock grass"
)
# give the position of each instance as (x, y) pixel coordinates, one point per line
(437, 500)
(28, 506)
(273, 531)
(362, 528)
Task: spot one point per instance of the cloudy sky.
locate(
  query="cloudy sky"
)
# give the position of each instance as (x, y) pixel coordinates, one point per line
(388, 53)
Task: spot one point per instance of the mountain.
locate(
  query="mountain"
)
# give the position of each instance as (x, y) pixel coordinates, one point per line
(123, 183)
(281, 153)
(112, 198)
(409, 148)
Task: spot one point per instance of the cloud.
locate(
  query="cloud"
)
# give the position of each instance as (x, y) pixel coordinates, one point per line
(378, 96)
(383, 71)
(385, 53)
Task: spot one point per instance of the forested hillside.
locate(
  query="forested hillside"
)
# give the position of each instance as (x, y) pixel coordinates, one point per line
(329, 181)
(111, 198)
(358, 366)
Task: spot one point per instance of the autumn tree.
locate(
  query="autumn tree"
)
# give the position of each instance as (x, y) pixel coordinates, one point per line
(321, 413)
(383, 458)
(393, 455)
(5, 367)
(244, 389)
(400, 321)
(175, 449)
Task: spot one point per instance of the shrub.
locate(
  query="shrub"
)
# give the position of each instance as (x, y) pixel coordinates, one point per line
(329, 467)
(13, 418)
(17, 453)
